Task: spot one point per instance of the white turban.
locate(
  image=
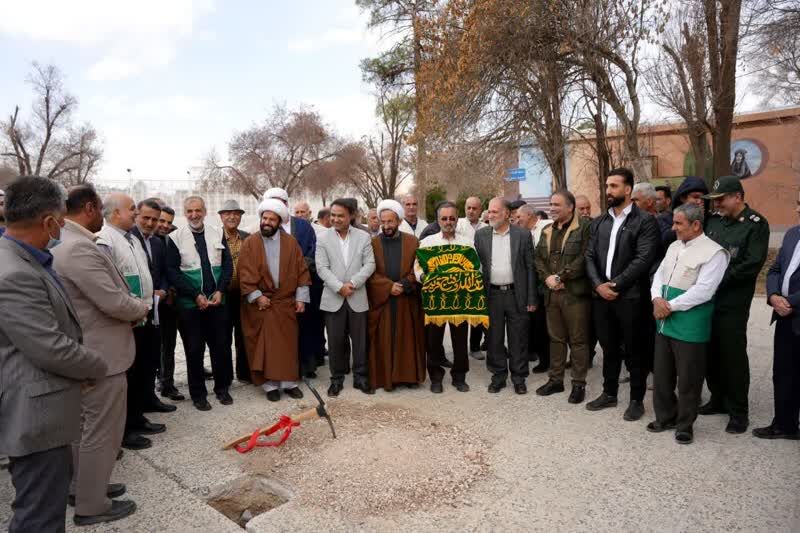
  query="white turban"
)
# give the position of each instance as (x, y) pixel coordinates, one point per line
(391, 205)
(276, 193)
(276, 206)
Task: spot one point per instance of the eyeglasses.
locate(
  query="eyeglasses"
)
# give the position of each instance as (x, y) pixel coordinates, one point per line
(447, 219)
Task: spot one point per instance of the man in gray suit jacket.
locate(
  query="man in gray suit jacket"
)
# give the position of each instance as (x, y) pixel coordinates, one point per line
(42, 356)
(344, 263)
(509, 277)
(106, 312)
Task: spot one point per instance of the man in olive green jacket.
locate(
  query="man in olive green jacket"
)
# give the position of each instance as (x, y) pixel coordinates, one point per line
(567, 294)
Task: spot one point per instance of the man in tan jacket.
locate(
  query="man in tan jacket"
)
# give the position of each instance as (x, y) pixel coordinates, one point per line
(106, 311)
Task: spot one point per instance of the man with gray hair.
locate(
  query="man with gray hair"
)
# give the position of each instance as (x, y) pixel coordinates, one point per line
(44, 362)
(682, 293)
(645, 197)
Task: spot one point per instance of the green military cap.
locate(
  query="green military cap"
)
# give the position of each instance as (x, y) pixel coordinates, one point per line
(725, 185)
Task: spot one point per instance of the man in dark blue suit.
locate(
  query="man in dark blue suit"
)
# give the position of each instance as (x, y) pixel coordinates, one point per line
(145, 367)
(310, 323)
(783, 294)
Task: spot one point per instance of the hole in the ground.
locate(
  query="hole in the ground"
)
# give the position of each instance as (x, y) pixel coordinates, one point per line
(244, 498)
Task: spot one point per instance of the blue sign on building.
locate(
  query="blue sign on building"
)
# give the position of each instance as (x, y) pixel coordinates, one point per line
(515, 174)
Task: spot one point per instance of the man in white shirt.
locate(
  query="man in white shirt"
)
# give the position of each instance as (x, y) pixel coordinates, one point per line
(448, 217)
(682, 292)
(411, 223)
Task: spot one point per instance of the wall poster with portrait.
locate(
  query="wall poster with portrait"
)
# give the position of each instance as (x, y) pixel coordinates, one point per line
(748, 158)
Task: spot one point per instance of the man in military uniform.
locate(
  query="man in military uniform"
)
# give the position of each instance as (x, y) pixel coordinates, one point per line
(745, 234)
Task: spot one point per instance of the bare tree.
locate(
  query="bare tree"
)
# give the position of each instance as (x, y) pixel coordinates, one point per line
(276, 153)
(49, 144)
(776, 50)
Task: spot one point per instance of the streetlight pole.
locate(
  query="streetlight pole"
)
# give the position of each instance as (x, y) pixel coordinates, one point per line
(130, 181)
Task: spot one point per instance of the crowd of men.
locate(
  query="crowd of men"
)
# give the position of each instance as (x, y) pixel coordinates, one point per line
(94, 292)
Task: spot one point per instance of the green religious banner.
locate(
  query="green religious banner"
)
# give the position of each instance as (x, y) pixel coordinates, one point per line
(452, 286)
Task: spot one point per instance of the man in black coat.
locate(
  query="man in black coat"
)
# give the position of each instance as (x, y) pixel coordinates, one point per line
(622, 248)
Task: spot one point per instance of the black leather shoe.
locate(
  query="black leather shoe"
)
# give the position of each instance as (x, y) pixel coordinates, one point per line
(149, 428)
(412, 386)
(208, 374)
(225, 398)
(494, 388)
(540, 368)
(771, 432)
(295, 393)
(657, 427)
(634, 412)
(437, 388)
(684, 437)
(364, 387)
(334, 390)
(202, 405)
(447, 363)
(113, 490)
(274, 395)
(160, 407)
(551, 387)
(604, 401)
(520, 388)
(737, 424)
(711, 408)
(133, 441)
(578, 393)
(461, 386)
(119, 510)
(173, 395)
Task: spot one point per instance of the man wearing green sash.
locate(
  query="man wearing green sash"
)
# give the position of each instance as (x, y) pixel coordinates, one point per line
(682, 292)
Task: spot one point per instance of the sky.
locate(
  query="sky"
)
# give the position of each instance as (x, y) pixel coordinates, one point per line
(165, 81)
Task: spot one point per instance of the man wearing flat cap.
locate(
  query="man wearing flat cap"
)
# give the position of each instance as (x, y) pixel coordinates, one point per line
(744, 233)
(396, 331)
(274, 280)
(231, 217)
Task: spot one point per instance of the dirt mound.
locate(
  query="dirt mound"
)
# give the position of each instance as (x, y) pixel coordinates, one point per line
(386, 459)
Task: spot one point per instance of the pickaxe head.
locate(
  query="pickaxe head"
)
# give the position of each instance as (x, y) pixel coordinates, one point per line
(321, 411)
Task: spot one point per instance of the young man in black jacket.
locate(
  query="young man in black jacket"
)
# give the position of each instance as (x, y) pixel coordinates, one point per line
(622, 248)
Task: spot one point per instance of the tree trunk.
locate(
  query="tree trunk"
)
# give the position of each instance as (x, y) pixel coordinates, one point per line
(421, 172)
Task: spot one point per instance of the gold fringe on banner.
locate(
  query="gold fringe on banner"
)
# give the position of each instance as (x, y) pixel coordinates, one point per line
(457, 320)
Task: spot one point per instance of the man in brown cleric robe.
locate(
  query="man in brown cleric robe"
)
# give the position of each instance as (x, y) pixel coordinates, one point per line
(274, 281)
(396, 334)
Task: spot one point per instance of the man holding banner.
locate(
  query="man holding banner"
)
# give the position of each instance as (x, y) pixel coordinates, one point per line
(452, 293)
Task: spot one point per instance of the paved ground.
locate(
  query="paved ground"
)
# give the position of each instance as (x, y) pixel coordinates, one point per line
(547, 465)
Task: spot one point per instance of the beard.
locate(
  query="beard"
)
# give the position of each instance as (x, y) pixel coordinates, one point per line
(268, 231)
(389, 232)
(196, 225)
(614, 201)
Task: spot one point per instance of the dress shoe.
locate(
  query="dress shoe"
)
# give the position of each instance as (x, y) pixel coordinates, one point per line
(604, 401)
(520, 388)
(295, 393)
(225, 398)
(334, 390)
(208, 374)
(551, 387)
(711, 408)
(173, 394)
(160, 407)
(773, 432)
(447, 363)
(149, 428)
(363, 387)
(578, 393)
(113, 490)
(494, 388)
(684, 437)
(635, 411)
(132, 441)
(737, 424)
(540, 368)
(202, 405)
(119, 510)
(274, 395)
(437, 388)
(477, 355)
(657, 427)
(412, 386)
(461, 386)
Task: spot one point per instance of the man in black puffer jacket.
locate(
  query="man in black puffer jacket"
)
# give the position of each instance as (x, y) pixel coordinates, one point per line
(623, 246)
(691, 190)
